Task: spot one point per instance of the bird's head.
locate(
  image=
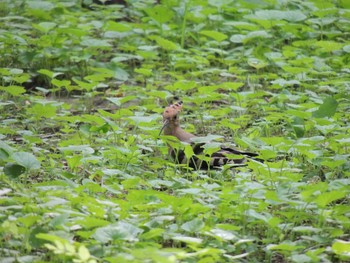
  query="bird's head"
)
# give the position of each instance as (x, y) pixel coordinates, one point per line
(171, 117)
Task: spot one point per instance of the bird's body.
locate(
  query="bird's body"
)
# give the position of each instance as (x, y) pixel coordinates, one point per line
(199, 160)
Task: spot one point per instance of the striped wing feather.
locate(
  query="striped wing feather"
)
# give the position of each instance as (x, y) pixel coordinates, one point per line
(226, 155)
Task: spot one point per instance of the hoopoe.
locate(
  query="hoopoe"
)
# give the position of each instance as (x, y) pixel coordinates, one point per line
(171, 126)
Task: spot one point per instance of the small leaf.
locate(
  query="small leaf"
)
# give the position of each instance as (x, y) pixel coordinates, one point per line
(188, 151)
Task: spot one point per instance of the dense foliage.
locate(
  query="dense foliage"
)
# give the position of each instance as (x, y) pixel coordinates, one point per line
(85, 176)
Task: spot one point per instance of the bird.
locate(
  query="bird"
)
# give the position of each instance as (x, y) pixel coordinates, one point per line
(200, 160)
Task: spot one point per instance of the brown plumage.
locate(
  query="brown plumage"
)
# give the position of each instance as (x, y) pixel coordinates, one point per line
(171, 126)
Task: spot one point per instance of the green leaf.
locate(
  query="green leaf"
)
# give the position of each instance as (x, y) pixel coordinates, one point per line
(160, 13)
(256, 63)
(165, 44)
(60, 83)
(152, 233)
(114, 26)
(206, 139)
(118, 231)
(96, 43)
(42, 111)
(83, 253)
(327, 109)
(346, 48)
(144, 71)
(190, 240)
(284, 247)
(328, 46)
(44, 27)
(217, 36)
(49, 73)
(188, 151)
(13, 90)
(193, 226)
(292, 16)
(121, 100)
(325, 199)
(28, 160)
(341, 247)
(14, 170)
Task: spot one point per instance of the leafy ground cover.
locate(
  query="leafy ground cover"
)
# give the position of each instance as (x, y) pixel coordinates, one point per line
(85, 176)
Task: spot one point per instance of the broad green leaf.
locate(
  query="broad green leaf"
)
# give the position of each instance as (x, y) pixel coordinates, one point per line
(292, 16)
(325, 199)
(327, 109)
(206, 139)
(186, 239)
(152, 233)
(50, 237)
(85, 149)
(184, 85)
(27, 160)
(341, 247)
(144, 71)
(165, 43)
(237, 38)
(85, 85)
(42, 111)
(256, 63)
(346, 48)
(49, 73)
(160, 13)
(41, 5)
(328, 46)
(13, 90)
(60, 83)
(96, 43)
(14, 170)
(217, 36)
(83, 253)
(284, 247)
(117, 231)
(119, 27)
(44, 27)
(121, 100)
(193, 226)
(223, 234)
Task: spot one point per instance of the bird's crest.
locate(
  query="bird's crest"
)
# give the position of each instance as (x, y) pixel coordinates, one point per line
(172, 110)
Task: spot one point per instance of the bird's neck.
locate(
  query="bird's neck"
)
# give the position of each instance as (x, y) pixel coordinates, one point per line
(178, 132)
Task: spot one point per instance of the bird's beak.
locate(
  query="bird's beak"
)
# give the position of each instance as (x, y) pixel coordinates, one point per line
(165, 123)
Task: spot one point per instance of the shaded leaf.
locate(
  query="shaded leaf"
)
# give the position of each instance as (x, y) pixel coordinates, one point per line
(327, 109)
(193, 226)
(27, 160)
(14, 170)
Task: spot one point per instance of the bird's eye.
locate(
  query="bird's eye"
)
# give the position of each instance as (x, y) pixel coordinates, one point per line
(175, 117)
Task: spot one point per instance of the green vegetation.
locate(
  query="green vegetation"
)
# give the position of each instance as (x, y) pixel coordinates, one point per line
(85, 176)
